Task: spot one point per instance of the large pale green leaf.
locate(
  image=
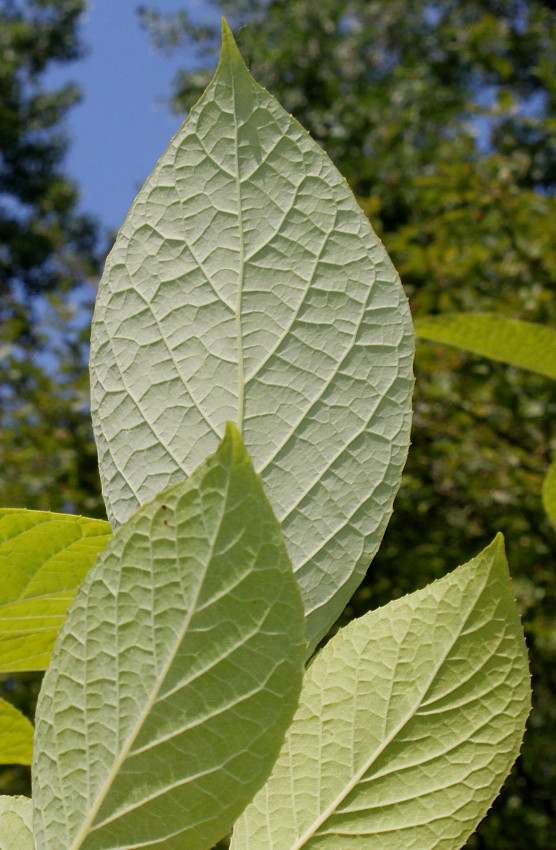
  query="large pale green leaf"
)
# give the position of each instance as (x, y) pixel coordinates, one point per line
(409, 721)
(16, 823)
(525, 344)
(176, 673)
(43, 559)
(16, 735)
(549, 493)
(247, 285)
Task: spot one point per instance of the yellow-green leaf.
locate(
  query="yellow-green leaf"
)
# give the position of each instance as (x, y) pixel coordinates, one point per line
(44, 557)
(524, 344)
(16, 735)
(549, 493)
(409, 721)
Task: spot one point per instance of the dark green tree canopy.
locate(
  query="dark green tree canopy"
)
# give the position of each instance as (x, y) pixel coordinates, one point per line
(46, 243)
(388, 85)
(48, 250)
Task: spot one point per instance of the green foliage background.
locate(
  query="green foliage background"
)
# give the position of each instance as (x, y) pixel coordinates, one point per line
(441, 116)
(49, 251)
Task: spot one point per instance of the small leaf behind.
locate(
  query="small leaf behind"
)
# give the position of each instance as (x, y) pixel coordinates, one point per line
(409, 721)
(176, 673)
(525, 344)
(16, 823)
(16, 735)
(549, 493)
(44, 557)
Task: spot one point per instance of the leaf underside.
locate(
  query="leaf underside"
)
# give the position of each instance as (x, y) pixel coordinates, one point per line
(43, 559)
(247, 285)
(525, 344)
(16, 823)
(409, 721)
(176, 673)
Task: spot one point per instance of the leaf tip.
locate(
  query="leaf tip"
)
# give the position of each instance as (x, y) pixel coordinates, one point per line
(227, 34)
(496, 559)
(232, 445)
(230, 54)
(498, 545)
(232, 433)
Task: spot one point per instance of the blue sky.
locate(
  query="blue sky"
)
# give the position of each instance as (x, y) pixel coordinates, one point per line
(122, 125)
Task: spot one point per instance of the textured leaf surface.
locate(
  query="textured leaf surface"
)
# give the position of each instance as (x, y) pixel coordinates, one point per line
(16, 735)
(176, 673)
(549, 493)
(16, 823)
(525, 344)
(43, 559)
(409, 721)
(247, 285)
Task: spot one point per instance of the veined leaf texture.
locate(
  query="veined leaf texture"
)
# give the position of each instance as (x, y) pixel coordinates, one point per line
(16, 823)
(43, 559)
(176, 673)
(247, 285)
(408, 723)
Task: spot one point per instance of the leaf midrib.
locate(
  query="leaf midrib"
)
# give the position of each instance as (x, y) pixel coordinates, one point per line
(87, 827)
(333, 806)
(241, 272)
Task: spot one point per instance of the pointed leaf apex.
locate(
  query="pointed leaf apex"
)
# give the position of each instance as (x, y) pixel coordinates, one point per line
(492, 559)
(498, 550)
(232, 432)
(500, 541)
(230, 53)
(233, 447)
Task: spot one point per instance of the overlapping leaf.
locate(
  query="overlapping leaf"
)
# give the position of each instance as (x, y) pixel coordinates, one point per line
(16, 735)
(525, 344)
(408, 723)
(247, 285)
(549, 493)
(16, 823)
(43, 559)
(176, 673)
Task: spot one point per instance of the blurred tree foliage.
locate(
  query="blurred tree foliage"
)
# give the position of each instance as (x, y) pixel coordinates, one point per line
(49, 257)
(442, 117)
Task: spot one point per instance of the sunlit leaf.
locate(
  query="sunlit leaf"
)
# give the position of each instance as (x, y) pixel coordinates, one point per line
(549, 493)
(176, 673)
(247, 285)
(16, 735)
(408, 723)
(43, 559)
(525, 344)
